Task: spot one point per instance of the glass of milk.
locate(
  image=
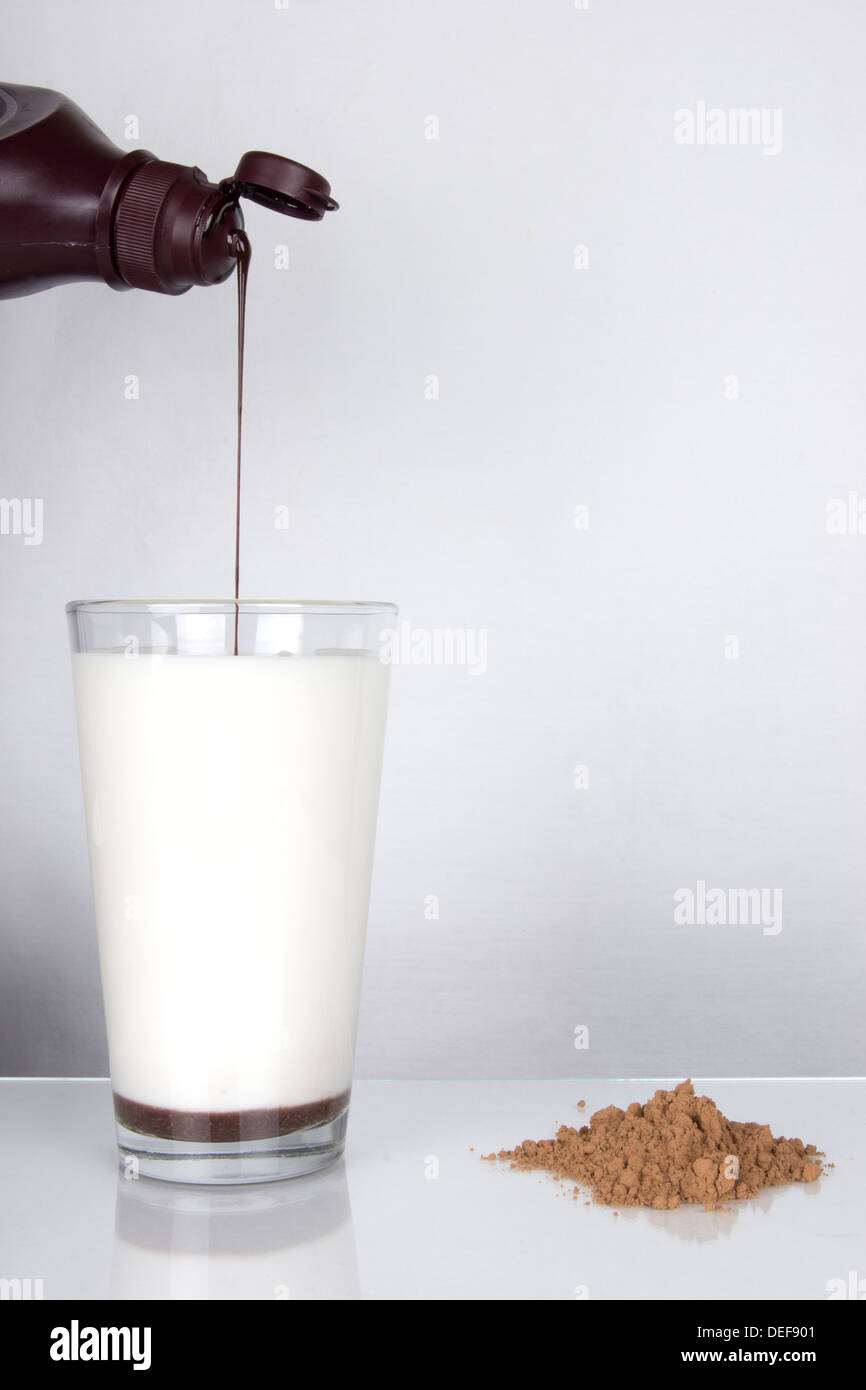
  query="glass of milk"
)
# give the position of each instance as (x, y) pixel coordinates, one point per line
(230, 757)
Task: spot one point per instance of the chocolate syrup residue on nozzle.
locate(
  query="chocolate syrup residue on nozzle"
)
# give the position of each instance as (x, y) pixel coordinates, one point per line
(239, 247)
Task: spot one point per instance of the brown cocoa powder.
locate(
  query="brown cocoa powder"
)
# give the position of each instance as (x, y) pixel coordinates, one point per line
(677, 1148)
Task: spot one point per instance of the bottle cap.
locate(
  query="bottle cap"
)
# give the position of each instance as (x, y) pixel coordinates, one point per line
(281, 185)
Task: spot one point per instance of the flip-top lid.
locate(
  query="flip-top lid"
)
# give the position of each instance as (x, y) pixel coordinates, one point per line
(281, 185)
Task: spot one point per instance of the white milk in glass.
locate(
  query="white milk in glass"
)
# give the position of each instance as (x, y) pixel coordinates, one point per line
(231, 808)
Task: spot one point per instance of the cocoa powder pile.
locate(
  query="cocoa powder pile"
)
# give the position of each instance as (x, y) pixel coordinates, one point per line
(678, 1147)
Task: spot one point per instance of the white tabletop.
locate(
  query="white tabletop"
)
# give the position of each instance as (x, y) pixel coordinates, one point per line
(413, 1213)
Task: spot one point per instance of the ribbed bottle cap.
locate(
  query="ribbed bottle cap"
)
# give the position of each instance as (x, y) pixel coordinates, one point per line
(172, 227)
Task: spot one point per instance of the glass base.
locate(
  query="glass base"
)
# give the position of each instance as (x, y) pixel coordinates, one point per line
(250, 1160)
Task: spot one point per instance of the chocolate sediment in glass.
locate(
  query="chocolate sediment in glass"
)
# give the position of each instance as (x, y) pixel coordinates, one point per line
(226, 1126)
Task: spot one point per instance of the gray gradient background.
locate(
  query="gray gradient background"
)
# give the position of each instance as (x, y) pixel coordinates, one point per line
(558, 387)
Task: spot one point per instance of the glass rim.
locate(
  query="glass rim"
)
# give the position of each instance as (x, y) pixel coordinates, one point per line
(336, 607)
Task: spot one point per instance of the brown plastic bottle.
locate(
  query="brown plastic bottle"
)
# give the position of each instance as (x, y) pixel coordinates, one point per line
(73, 206)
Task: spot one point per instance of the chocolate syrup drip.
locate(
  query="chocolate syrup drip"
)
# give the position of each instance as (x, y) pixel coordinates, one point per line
(239, 245)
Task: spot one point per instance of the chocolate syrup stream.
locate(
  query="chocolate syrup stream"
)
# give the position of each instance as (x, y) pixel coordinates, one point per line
(239, 246)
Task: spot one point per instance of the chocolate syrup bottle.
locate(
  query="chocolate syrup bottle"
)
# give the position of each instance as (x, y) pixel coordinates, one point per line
(75, 207)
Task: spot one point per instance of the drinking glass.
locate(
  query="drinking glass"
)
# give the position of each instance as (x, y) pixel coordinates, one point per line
(231, 757)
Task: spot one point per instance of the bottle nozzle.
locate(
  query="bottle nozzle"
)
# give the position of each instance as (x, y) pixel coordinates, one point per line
(173, 229)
